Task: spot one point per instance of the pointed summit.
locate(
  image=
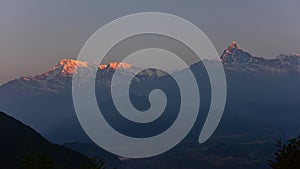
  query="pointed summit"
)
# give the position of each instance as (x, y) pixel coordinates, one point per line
(232, 47)
(234, 54)
(229, 51)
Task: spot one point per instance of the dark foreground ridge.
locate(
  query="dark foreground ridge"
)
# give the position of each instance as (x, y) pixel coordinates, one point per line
(19, 142)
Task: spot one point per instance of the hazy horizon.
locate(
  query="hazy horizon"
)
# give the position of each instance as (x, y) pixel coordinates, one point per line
(35, 35)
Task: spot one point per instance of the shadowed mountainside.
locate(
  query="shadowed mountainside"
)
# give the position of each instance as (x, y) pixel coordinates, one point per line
(18, 141)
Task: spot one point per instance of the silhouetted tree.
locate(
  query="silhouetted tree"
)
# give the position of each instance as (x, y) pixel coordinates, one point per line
(288, 156)
(97, 164)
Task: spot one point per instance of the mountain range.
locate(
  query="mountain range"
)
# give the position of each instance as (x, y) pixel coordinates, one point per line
(262, 105)
(59, 78)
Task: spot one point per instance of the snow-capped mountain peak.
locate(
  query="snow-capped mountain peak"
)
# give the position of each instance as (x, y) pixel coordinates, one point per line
(68, 66)
(232, 47)
(234, 54)
(236, 59)
(115, 65)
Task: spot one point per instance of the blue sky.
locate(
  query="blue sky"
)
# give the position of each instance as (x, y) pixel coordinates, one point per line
(36, 34)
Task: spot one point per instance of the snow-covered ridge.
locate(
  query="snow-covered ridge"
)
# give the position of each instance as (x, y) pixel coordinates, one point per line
(236, 59)
(67, 67)
(59, 77)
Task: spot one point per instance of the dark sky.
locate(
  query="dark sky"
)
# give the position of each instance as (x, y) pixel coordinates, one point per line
(36, 34)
